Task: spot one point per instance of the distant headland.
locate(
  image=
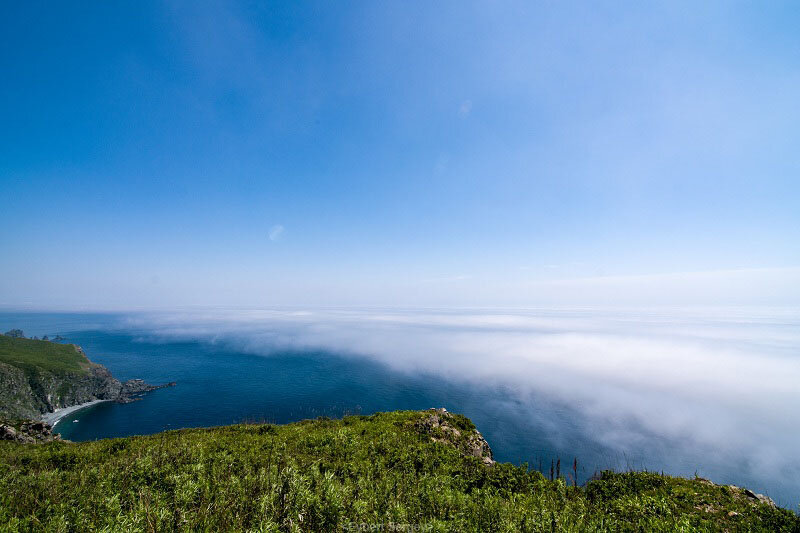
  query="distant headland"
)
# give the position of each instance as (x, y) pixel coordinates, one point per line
(44, 380)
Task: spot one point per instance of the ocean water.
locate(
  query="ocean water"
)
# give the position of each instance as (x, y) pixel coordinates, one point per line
(223, 382)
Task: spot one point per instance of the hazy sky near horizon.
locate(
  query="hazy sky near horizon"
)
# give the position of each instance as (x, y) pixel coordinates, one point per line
(471, 154)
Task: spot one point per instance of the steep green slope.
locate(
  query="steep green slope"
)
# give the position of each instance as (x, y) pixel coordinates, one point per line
(401, 471)
(29, 354)
(40, 376)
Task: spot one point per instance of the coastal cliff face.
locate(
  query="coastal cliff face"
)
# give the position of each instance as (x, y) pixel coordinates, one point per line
(38, 377)
(30, 394)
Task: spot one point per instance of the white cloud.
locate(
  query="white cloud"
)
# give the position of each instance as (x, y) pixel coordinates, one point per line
(275, 232)
(465, 109)
(726, 377)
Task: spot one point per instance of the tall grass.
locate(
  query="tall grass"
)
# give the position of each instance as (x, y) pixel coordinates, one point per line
(337, 475)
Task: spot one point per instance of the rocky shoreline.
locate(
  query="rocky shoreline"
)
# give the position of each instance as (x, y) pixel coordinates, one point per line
(133, 389)
(41, 392)
(40, 380)
(130, 391)
(55, 417)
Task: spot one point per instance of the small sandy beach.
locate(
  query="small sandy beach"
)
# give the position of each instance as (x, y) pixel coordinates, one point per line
(54, 417)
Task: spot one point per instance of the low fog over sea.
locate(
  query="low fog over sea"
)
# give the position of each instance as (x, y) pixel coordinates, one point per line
(706, 391)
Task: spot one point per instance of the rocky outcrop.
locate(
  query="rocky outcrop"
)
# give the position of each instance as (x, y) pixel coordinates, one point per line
(751, 496)
(455, 430)
(742, 494)
(133, 389)
(27, 431)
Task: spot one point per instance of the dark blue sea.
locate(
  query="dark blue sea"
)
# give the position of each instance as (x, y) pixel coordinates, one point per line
(218, 385)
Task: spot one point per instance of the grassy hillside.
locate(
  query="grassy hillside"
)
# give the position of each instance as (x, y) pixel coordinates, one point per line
(44, 355)
(395, 469)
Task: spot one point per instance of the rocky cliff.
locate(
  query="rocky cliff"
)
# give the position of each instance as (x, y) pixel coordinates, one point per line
(30, 387)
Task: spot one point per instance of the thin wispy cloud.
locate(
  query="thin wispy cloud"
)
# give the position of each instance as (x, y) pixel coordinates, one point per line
(276, 232)
(441, 164)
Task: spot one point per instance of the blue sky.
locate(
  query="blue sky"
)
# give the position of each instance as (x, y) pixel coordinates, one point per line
(485, 154)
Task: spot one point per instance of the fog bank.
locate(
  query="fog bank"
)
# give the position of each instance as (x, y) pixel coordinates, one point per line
(705, 385)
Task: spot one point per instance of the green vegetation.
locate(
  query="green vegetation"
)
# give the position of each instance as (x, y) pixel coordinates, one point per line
(30, 355)
(352, 474)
